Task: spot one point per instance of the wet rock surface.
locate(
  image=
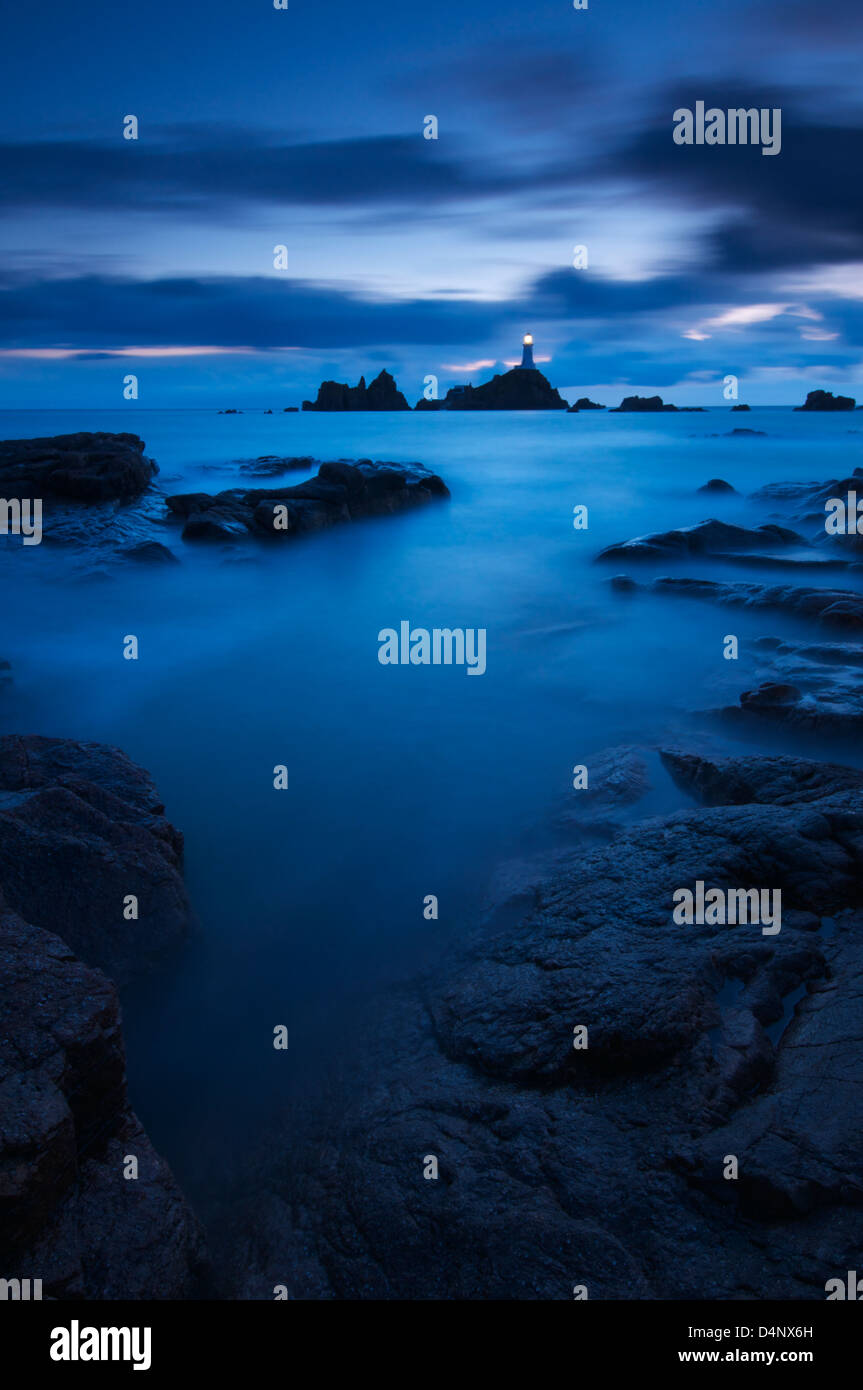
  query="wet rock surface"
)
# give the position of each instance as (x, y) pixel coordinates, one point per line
(81, 827)
(603, 1166)
(84, 467)
(68, 1216)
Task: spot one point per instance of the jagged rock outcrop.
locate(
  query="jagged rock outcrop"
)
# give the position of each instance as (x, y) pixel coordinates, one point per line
(380, 394)
(340, 492)
(81, 467)
(584, 403)
(717, 485)
(825, 400)
(602, 1167)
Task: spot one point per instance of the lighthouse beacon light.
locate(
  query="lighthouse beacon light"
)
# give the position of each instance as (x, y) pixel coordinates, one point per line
(527, 351)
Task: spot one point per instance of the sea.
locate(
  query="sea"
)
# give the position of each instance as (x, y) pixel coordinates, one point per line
(403, 781)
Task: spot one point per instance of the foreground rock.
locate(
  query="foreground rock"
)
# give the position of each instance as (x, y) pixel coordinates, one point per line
(68, 1216)
(715, 538)
(83, 467)
(82, 829)
(380, 394)
(340, 492)
(603, 1167)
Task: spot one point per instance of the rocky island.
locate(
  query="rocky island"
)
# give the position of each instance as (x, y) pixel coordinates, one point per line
(380, 394)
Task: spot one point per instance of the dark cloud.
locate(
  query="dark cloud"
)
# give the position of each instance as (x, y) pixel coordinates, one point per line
(799, 207)
(94, 312)
(224, 169)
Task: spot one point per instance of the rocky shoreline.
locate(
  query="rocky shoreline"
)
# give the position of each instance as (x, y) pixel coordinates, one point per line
(83, 845)
(556, 1167)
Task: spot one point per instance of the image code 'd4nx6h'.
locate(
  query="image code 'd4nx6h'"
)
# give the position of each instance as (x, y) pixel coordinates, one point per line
(431, 827)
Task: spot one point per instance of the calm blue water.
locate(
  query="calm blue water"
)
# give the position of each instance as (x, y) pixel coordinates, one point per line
(403, 781)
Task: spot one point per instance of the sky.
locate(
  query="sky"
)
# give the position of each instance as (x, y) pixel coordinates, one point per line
(305, 128)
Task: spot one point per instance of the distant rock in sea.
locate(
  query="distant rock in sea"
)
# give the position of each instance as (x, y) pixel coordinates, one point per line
(717, 485)
(381, 394)
(825, 400)
(84, 467)
(522, 388)
(230, 412)
(739, 407)
(641, 405)
(583, 403)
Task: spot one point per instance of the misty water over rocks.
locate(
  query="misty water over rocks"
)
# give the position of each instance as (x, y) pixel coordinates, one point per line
(404, 781)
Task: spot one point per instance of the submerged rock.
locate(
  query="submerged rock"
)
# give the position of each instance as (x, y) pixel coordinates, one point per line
(839, 608)
(84, 467)
(706, 538)
(339, 492)
(717, 485)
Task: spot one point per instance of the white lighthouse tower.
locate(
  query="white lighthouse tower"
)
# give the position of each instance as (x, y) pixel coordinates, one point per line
(527, 351)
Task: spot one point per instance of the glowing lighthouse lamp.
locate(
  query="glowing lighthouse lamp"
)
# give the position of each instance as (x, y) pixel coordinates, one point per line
(527, 351)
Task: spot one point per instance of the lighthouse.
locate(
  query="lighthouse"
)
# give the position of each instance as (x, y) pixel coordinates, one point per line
(527, 351)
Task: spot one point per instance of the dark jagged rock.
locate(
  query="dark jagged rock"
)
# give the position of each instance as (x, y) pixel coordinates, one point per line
(425, 404)
(81, 828)
(67, 1214)
(339, 492)
(746, 434)
(522, 388)
(583, 403)
(641, 405)
(380, 394)
(717, 485)
(603, 1167)
(825, 400)
(82, 467)
(739, 407)
(707, 538)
